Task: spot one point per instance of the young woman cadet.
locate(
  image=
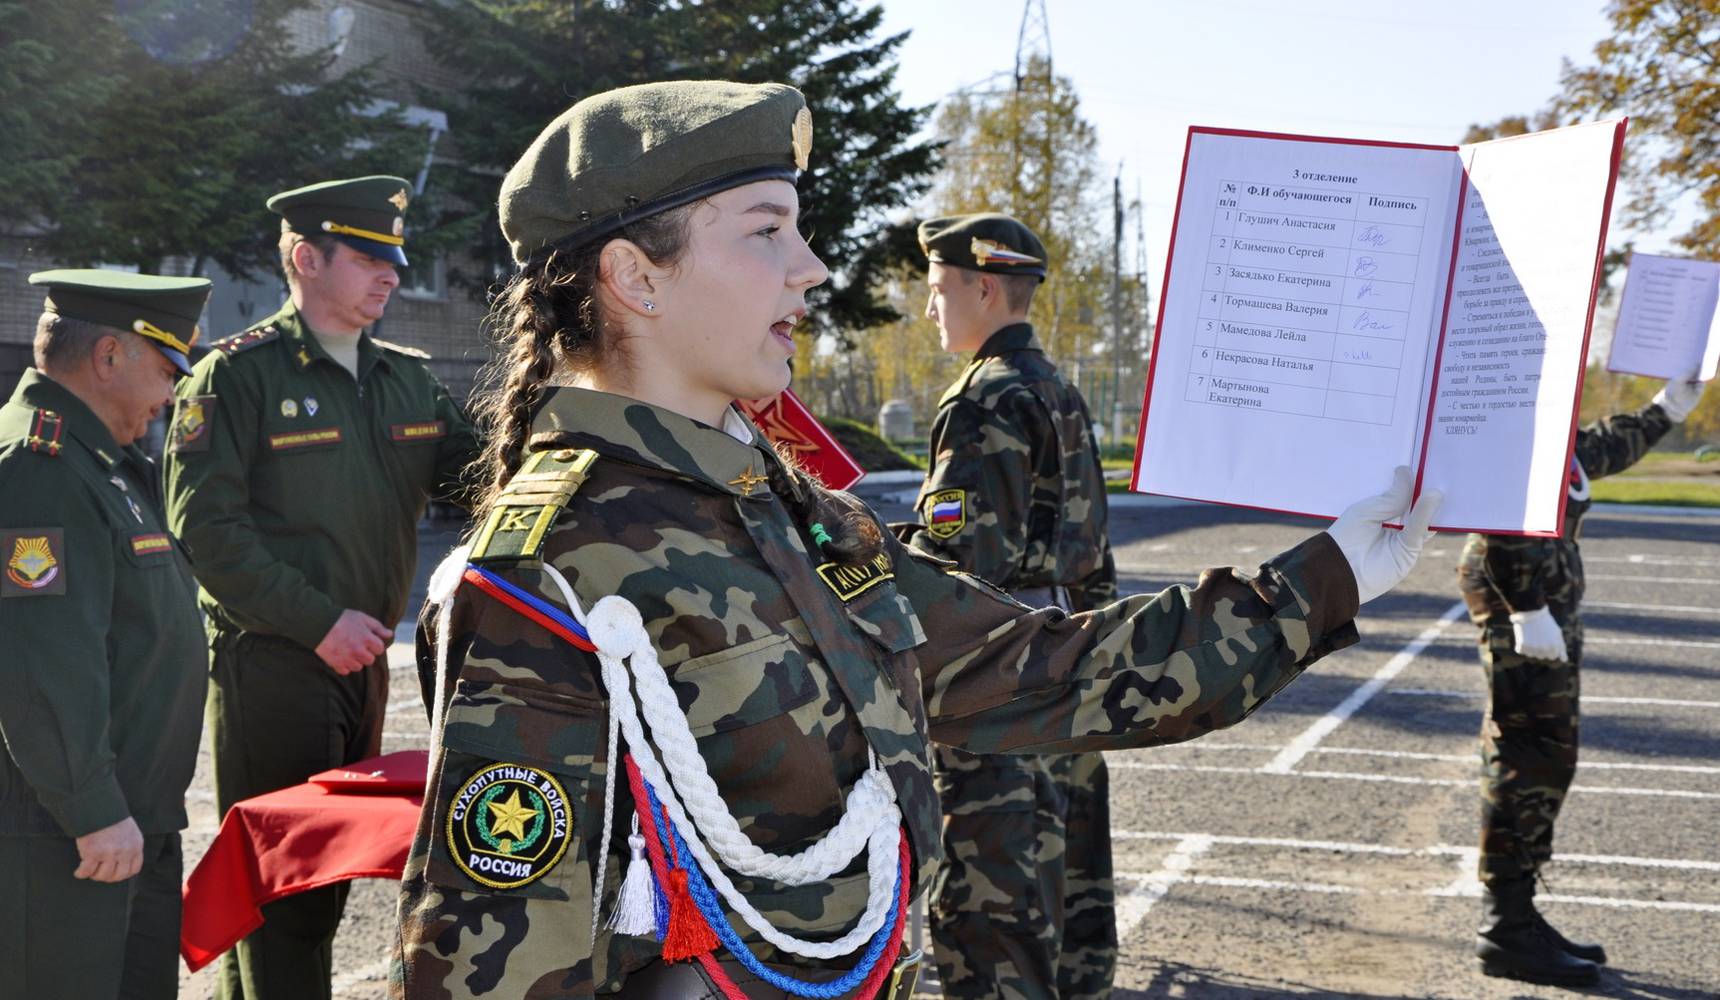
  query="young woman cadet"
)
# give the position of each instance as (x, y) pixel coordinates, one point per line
(682, 696)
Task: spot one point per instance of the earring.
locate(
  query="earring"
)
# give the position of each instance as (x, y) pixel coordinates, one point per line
(649, 305)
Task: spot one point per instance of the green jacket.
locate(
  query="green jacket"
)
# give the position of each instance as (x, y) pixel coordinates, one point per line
(298, 489)
(1015, 494)
(1499, 574)
(788, 670)
(104, 665)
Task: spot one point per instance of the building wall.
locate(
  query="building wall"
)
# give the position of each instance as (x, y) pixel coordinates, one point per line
(444, 322)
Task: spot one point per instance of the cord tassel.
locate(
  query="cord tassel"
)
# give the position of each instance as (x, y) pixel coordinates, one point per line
(636, 905)
(689, 936)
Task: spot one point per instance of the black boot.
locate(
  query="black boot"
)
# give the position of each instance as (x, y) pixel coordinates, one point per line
(1593, 952)
(1512, 945)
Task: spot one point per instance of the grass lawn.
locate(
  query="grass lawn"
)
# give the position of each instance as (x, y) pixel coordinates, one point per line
(1681, 493)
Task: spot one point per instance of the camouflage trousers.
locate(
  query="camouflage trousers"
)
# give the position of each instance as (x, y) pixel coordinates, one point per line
(1528, 752)
(1024, 906)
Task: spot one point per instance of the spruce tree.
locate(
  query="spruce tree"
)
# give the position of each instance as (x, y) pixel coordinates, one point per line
(185, 118)
(527, 61)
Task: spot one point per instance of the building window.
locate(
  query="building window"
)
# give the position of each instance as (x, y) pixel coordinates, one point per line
(427, 278)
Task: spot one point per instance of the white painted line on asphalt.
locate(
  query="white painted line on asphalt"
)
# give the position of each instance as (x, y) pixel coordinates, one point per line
(1132, 904)
(1592, 640)
(1469, 758)
(1586, 699)
(1453, 889)
(1459, 758)
(1399, 779)
(1704, 581)
(1688, 609)
(1459, 851)
(1311, 845)
(1640, 559)
(1323, 727)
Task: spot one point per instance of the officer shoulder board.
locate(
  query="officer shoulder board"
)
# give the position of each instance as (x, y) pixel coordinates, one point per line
(247, 339)
(45, 430)
(411, 352)
(528, 505)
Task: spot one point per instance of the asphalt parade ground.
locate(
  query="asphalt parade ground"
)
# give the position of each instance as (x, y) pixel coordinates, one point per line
(1326, 846)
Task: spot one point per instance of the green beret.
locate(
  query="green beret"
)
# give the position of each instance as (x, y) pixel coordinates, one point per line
(988, 242)
(163, 310)
(366, 213)
(626, 154)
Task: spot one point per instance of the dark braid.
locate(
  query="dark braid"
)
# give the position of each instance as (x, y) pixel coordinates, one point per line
(547, 319)
(853, 535)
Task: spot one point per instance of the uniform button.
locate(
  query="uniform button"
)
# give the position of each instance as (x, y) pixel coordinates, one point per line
(564, 455)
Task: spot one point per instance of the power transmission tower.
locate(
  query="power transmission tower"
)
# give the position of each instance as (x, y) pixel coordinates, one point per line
(1033, 80)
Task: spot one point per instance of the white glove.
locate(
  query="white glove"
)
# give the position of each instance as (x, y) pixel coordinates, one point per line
(1678, 397)
(1537, 635)
(1381, 557)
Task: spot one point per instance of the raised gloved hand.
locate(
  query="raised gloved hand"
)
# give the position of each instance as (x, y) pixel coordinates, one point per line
(1379, 556)
(1537, 635)
(1678, 397)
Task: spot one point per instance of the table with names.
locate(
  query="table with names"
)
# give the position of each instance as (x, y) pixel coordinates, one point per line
(1305, 300)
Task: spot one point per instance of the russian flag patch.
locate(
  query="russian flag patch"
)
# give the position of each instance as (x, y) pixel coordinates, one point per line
(945, 512)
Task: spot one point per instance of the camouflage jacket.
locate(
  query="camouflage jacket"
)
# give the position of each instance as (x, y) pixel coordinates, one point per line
(1015, 494)
(787, 672)
(1500, 574)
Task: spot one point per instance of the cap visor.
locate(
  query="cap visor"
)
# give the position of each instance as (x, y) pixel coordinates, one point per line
(180, 361)
(381, 251)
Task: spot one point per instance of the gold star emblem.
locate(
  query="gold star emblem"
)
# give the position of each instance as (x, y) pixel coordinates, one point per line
(399, 200)
(510, 817)
(746, 481)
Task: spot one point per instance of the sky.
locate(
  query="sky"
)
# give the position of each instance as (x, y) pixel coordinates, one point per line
(1146, 70)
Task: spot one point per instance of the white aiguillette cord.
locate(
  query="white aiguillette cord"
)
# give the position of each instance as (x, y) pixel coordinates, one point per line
(871, 821)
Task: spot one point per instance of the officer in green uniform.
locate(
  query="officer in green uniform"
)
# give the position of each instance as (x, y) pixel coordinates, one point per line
(1526, 596)
(1015, 495)
(793, 659)
(301, 457)
(104, 669)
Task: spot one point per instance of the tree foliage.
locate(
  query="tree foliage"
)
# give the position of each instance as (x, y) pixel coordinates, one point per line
(144, 129)
(1660, 66)
(527, 61)
(1026, 151)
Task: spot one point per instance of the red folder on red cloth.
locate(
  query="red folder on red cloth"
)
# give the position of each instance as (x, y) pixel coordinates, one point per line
(796, 432)
(300, 838)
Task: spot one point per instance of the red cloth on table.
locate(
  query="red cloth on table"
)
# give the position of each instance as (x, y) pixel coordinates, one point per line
(300, 838)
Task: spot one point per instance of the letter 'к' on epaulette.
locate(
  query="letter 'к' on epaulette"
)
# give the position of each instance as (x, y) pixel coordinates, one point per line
(529, 504)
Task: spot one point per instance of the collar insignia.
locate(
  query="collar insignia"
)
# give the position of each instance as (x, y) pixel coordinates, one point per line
(747, 480)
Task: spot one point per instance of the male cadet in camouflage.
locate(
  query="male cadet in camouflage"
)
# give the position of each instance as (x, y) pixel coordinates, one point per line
(301, 457)
(804, 646)
(1015, 495)
(104, 670)
(1526, 596)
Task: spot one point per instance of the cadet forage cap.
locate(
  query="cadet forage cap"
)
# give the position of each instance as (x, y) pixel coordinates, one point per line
(988, 241)
(626, 154)
(365, 213)
(160, 309)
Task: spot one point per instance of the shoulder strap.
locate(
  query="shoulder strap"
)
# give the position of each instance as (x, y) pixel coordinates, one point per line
(45, 430)
(521, 516)
(247, 339)
(411, 352)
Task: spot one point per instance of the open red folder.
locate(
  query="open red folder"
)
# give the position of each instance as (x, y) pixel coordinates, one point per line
(793, 429)
(1333, 308)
